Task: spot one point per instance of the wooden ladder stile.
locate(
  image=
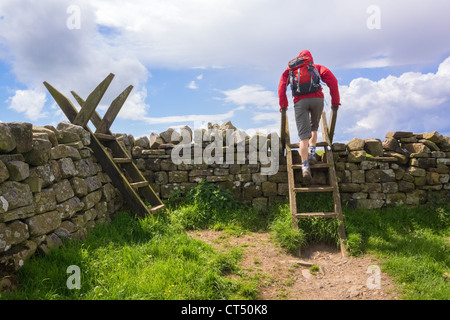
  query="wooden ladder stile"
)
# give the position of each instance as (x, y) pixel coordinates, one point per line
(294, 163)
(119, 165)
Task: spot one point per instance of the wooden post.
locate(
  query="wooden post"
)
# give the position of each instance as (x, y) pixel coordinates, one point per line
(92, 102)
(332, 124)
(283, 130)
(113, 110)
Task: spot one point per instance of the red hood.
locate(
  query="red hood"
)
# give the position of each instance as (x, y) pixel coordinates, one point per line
(306, 53)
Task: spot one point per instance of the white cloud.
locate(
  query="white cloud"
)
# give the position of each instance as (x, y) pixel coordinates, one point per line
(185, 119)
(411, 102)
(253, 95)
(248, 33)
(192, 85)
(29, 102)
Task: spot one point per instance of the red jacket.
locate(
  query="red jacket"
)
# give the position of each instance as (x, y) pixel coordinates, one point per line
(325, 75)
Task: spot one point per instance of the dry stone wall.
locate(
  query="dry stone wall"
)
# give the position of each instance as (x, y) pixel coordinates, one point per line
(401, 170)
(51, 188)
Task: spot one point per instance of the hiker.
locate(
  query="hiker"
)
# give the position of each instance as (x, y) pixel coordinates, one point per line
(308, 102)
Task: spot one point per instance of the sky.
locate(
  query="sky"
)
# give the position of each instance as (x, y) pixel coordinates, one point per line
(197, 61)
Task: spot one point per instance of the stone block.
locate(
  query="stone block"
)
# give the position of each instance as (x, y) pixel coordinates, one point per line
(378, 175)
(369, 203)
(39, 153)
(11, 234)
(35, 184)
(69, 208)
(93, 183)
(155, 141)
(18, 170)
(85, 167)
(269, 188)
(45, 173)
(23, 135)
(416, 172)
(7, 140)
(433, 136)
(4, 173)
(338, 147)
(416, 197)
(399, 134)
(358, 176)
(108, 192)
(63, 191)
(178, 176)
(92, 199)
(43, 223)
(356, 156)
(416, 148)
(15, 258)
(67, 168)
(349, 187)
(373, 147)
(371, 187)
(356, 144)
(67, 131)
(16, 194)
(45, 200)
(389, 187)
(50, 132)
(405, 186)
(142, 142)
(79, 186)
(432, 178)
(395, 199)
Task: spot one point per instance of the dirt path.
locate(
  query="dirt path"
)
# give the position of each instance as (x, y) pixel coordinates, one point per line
(283, 276)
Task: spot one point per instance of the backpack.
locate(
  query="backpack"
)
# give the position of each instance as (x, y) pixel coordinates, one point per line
(303, 76)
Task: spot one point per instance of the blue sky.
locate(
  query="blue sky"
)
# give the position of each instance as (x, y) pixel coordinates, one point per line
(197, 61)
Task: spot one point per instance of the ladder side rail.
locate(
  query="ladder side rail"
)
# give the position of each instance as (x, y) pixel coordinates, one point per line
(334, 184)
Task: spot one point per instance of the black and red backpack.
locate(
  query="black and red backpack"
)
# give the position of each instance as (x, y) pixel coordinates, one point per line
(303, 76)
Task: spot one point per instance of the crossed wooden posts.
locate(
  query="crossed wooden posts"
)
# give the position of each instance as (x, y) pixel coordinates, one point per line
(118, 165)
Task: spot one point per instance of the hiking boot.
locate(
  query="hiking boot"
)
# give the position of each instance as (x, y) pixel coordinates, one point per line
(312, 158)
(306, 175)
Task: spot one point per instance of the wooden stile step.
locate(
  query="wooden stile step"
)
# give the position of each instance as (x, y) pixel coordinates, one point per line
(157, 208)
(315, 189)
(104, 137)
(141, 184)
(316, 214)
(312, 166)
(297, 145)
(122, 160)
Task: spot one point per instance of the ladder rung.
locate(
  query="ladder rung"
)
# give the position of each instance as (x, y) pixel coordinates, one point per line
(140, 184)
(316, 214)
(104, 137)
(157, 208)
(122, 160)
(297, 145)
(312, 166)
(314, 189)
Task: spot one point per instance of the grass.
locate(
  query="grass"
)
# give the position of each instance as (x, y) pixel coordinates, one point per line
(413, 244)
(136, 259)
(154, 258)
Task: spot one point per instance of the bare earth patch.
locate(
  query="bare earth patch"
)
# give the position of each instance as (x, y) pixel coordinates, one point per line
(285, 277)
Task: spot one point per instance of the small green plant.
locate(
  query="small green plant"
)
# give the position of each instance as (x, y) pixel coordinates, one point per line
(354, 244)
(284, 233)
(210, 196)
(314, 269)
